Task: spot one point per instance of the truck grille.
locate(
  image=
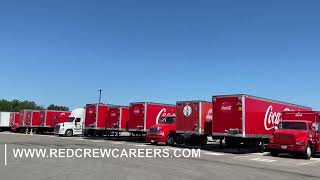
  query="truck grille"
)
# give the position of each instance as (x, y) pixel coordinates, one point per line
(56, 129)
(285, 139)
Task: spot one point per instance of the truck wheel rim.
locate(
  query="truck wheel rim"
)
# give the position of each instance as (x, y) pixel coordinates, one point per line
(308, 151)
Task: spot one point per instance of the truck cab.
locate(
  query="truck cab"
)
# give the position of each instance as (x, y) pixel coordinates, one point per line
(297, 133)
(73, 125)
(164, 131)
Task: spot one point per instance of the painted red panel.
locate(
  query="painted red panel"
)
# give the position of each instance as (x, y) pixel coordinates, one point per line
(114, 120)
(27, 118)
(253, 116)
(227, 114)
(194, 117)
(90, 120)
(206, 117)
(102, 116)
(136, 119)
(301, 115)
(125, 111)
(144, 115)
(22, 115)
(261, 116)
(50, 118)
(96, 116)
(35, 119)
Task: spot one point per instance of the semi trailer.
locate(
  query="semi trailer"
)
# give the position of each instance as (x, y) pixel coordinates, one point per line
(247, 120)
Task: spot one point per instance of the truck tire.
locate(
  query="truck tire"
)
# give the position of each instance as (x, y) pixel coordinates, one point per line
(307, 152)
(170, 141)
(69, 133)
(274, 153)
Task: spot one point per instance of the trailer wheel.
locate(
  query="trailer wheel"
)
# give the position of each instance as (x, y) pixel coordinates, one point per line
(93, 133)
(69, 133)
(170, 141)
(307, 152)
(274, 153)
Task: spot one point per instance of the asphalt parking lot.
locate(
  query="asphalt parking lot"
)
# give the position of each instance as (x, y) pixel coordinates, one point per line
(214, 163)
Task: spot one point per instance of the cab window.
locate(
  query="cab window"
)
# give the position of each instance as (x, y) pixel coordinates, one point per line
(77, 120)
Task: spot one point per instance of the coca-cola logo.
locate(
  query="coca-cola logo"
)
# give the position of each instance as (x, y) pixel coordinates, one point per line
(90, 111)
(113, 114)
(187, 110)
(209, 115)
(271, 118)
(298, 114)
(162, 113)
(136, 111)
(226, 107)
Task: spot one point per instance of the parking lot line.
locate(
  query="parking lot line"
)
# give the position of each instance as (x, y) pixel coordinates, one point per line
(117, 143)
(263, 160)
(241, 156)
(98, 141)
(214, 154)
(141, 145)
(310, 162)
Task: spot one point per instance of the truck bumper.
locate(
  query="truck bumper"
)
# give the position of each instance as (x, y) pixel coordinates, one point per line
(156, 138)
(285, 148)
(60, 132)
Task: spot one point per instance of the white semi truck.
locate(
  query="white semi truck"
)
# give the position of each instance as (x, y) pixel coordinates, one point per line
(4, 121)
(73, 125)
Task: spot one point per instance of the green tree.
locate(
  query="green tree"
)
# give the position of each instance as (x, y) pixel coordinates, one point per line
(16, 105)
(56, 107)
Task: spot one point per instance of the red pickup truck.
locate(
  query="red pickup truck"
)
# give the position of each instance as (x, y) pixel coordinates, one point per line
(297, 133)
(164, 131)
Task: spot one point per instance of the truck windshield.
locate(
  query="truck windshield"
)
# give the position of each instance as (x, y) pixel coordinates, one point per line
(293, 125)
(167, 120)
(70, 119)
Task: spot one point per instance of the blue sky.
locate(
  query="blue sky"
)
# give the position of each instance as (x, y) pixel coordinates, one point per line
(62, 52)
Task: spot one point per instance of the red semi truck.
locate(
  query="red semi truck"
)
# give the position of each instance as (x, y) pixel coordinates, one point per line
(245, 119)
(194, 122)
(297, 133)
(50, 118)
(164, 131)
(118, 120)
(144, 115)
(14, 121)
(96, 117)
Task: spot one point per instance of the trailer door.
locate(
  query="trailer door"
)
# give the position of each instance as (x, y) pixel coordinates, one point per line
(137, 116)
(227, 115)
(188, 117)
(90, 120)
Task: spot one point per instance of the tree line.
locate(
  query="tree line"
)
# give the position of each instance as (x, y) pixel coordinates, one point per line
(17, 105)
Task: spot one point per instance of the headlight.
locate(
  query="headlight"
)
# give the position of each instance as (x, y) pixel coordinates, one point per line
(299, 143)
